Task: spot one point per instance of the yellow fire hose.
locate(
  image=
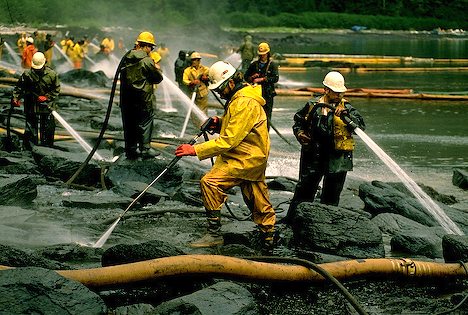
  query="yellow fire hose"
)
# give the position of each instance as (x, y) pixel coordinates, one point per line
(224, 266)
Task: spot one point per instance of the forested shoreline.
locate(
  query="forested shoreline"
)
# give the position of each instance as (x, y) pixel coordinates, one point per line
(167, 14)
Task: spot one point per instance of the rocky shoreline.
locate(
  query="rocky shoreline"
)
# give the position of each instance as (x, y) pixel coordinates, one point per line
(46, 225)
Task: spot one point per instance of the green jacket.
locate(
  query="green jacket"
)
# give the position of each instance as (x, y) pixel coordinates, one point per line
(138, 75)
(33, 83)
(320, 152)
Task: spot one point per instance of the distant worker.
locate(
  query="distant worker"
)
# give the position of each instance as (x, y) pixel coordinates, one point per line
(264, 71)
(21, 43)
(137, 101)
(39, 41)
(28, 53)
(196, 78)
(247, 51)
(241, 152)
(39, 87)
(49, 49)
(179, 66)
(163, 51)
(327, 144)
(77, 55)
(67, 45)
(108, 44)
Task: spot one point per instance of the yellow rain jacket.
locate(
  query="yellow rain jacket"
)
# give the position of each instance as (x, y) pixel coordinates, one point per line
(191, 73)
(243, 144)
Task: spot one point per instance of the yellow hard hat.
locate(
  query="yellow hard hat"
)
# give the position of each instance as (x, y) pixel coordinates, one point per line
(263, 48)
(146, 37)
(195, 55)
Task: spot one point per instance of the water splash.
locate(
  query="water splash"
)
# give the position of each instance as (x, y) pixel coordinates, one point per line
(77, 137)
(13, 55)
(234, 59)
(64, 55)
(174, 89)
(167, 107)
(434, 209)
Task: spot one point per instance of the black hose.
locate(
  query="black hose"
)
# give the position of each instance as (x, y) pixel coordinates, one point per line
(319, 270)
(104, 124)
(462, 301)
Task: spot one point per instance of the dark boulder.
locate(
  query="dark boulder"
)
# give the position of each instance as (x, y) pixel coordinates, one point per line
(460, 178)
(17, 189)
(336, 231)
(455, 248)
(35, 290)
(85, 78)
(127, 253)
(225, 298)
(14, 257)
(62, 165)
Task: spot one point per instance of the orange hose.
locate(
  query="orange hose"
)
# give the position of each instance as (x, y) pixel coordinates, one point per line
(224, 266)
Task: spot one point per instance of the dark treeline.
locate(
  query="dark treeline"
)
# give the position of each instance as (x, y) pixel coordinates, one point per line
(379, 14)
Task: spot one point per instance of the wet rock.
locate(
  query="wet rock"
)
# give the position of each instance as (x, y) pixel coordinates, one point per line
(455, 248)
(133, 189)
(394, 224)
(96, 202)
(336, 231)
(17, 163)
(431, 192)
(135, 309)
(114, 123)
(71, 253)
(14, 257)
(17, 189)
(241, 232)
(62, 165)
(127, 253)
(85, 78)
(417, 244)
(145, 171)
(221, 298)
(282, 183)
(189, 194)
(460, 178)
(35, 290)
(9, 144)
(382, 197)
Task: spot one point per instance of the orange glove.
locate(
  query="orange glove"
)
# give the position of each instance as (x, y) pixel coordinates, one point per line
(42, 99)
(15, 103)
(195, 82)
(185, 149)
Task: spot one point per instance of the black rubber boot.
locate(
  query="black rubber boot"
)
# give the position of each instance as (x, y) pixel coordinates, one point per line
(213, 236)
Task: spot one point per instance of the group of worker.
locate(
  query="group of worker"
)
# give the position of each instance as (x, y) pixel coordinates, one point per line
(322, 127)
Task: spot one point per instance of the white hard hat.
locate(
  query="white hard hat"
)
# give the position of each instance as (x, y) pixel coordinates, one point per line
(30, 40)
(335, 82)
(220, 72)
(38, 60)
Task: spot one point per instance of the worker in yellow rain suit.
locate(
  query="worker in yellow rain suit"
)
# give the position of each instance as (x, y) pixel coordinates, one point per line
(241, 152)
(196, 78)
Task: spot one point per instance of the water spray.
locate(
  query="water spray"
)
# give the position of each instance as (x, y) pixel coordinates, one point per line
(192, 100)
(425, 200)
(102, 240)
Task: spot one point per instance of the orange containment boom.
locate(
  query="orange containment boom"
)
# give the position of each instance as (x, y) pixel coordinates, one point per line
(237, 268)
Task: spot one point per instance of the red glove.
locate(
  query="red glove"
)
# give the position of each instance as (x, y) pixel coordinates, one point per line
(15, 103)
(195, 82)
(185, 149)
(254, 76)
(258, 80)
(42, 99)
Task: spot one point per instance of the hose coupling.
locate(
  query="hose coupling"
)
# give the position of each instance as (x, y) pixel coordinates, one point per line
(409, 265)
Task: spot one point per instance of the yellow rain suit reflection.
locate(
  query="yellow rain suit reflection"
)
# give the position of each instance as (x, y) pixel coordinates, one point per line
(241, 152)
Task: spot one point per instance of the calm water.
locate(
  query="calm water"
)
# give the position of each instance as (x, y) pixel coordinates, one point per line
(415, 45)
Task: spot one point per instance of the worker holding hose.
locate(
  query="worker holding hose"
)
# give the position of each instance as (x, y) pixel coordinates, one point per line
(138, 76)
(241, 152)
(324, 129)
(39, 87)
